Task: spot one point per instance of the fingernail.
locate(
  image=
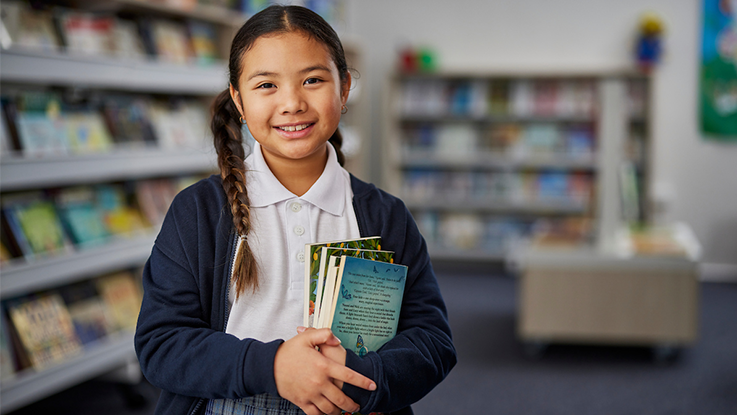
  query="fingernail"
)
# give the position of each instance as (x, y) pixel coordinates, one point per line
(301, 329)
(336, 338)
(372, 387)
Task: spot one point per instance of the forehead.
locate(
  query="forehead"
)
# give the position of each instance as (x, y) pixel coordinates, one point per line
(285, 53)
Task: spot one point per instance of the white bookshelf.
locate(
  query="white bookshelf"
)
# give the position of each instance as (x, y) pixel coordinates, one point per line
(440, 181)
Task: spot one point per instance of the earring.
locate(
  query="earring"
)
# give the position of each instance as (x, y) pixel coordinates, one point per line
(243, 121)
(344, 109)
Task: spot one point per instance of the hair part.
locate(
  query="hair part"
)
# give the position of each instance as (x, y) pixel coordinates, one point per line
(226, 126)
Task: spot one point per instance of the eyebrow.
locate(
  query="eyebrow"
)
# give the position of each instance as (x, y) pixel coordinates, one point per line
(303, 71)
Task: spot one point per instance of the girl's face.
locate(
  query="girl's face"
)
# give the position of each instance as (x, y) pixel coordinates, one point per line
(290, 95)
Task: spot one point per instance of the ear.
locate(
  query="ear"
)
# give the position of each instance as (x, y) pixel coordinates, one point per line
(346, 87)
(236, 97)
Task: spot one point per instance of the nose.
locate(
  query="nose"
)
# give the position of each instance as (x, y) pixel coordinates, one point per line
(293, 101)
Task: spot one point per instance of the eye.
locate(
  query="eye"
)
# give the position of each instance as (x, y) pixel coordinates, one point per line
(266, 85)
(312, 81)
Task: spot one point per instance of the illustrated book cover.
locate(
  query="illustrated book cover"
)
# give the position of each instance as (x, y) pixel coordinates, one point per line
(45, 329)
(314, 263)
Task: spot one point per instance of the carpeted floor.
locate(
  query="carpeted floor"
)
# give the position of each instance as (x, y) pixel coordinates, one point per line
(495, 376)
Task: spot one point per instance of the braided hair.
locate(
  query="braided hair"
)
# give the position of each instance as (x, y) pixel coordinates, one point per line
(226, 120)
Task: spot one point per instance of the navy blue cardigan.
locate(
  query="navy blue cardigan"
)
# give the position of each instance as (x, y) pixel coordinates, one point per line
(181, 341)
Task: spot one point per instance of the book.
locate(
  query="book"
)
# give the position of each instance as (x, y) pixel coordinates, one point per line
(45, 329)
(365, 307)
(154, 197)
(324, 285)
(40, 124)
(91, 319)
(87, 33)
(204, 41)
(315, 266)
(87, 133)
(122, 298)
(27, 28)
(80, 216)
(35, 225)
(127, 40)
(128, 119)
(168, 41)
(120, 218)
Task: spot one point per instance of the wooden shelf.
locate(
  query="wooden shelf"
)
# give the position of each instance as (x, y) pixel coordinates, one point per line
(209, 13)
(27, 173)
(438, 253)
(54, 68)
(98, 358)
(19, 277)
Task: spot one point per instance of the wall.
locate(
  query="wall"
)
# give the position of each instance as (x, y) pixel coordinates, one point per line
(696, 179)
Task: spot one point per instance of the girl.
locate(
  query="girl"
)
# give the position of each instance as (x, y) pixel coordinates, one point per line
(223, 287)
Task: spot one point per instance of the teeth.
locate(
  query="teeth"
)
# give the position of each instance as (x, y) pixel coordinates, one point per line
(295, 127)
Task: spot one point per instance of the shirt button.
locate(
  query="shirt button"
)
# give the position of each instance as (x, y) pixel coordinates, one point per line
(299, 230)
(301, 257)
(296, 207)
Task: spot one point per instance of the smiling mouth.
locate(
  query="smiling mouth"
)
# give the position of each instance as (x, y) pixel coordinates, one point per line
(291, 128)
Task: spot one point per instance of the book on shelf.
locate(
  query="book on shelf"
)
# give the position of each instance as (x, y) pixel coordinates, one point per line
(26, 27)
(87, 33)
(128, 43)
(45, 329)
(363, 302)
(204, 41)
(154, 197)
(179, 124)
(34, 224)
(122, 298)
(316, 264)
(91, 319)
(119, 216)
(87, 133)
(81, 217)
(128, 119)
(167, 40)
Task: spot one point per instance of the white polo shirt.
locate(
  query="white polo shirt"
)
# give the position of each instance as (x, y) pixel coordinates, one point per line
(281, 224)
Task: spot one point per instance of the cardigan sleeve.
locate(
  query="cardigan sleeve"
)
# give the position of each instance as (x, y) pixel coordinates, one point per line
(422, 353)
(178, 348)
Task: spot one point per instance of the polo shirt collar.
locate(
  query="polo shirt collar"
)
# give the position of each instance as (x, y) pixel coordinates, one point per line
(327, 193)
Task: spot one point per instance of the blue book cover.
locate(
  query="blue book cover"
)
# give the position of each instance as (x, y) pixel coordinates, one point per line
(367, 303)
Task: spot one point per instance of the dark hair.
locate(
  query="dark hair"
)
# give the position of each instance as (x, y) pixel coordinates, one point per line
(226, 126)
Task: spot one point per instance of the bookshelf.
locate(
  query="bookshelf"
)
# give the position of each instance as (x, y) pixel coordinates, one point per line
(23, 68)
(487, 161)
(67, 71)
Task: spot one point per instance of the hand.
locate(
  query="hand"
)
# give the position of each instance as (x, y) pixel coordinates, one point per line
(305, 377)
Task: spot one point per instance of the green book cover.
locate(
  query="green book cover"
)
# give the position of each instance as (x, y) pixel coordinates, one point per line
(313, 266)
(367, 303)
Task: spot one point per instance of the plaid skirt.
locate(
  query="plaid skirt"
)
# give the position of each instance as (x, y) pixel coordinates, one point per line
(263, 404)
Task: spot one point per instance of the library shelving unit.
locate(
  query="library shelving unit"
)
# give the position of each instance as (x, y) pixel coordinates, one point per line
(24, 68)
(487, 159)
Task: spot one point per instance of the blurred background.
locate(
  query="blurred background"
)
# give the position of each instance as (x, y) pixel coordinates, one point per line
(571, 164)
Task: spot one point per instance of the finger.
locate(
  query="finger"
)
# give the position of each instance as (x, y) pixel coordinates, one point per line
(352, 377)
(341, 400)
(326, 406)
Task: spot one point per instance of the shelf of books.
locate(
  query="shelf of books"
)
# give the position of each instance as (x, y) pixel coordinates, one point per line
(107, 354)
(487, 160)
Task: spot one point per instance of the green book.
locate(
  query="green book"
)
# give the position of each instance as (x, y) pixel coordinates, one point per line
(314, 264)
